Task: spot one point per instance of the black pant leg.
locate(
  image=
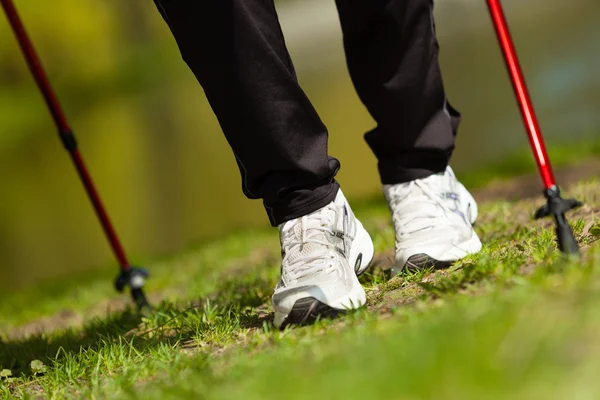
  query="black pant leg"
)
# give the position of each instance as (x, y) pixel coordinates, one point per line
(237, 52)
(392, 56)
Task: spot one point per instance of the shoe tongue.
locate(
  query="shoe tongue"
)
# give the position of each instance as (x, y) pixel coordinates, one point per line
(308, 246)
(435, 182)
(288, 225)
(422, 205)
(311, 232)
(307, 250)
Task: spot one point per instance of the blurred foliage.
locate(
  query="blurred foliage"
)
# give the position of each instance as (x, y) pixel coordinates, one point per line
(84, 45)
(103, 60)
(155, 149)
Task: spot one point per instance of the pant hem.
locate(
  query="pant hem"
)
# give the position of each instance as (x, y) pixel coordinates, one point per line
(281, 216)
(408, 175)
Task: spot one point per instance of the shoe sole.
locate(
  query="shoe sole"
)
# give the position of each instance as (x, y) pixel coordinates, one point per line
(307, 311)
(421, 261)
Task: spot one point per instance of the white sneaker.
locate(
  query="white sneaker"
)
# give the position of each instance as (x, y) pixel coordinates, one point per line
(433, 220)
(323, 253)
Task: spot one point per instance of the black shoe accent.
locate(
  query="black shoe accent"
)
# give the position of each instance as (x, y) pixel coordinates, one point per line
(357, 264)
(306, 311)
(423, 261)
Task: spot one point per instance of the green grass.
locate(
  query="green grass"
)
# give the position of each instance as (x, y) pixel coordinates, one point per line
(517, 321)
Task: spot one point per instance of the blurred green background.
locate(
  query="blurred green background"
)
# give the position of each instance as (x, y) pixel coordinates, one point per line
(154, 147)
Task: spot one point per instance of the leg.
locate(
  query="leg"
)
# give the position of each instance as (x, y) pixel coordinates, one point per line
(393, 60)
(392, 56)
(237, 52)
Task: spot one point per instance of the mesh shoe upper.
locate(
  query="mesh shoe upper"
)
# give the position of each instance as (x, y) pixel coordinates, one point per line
(310, 248)
(433, 216)
(318, 250)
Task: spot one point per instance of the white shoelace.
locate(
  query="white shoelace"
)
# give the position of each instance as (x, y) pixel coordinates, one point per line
(412, 212)
(308, 250)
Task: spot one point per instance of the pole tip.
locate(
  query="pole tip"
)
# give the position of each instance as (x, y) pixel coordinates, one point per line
(134, 278)
(567, 243)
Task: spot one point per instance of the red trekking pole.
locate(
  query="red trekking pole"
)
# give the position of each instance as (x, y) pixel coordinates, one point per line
(130, 276)
(556, 206)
